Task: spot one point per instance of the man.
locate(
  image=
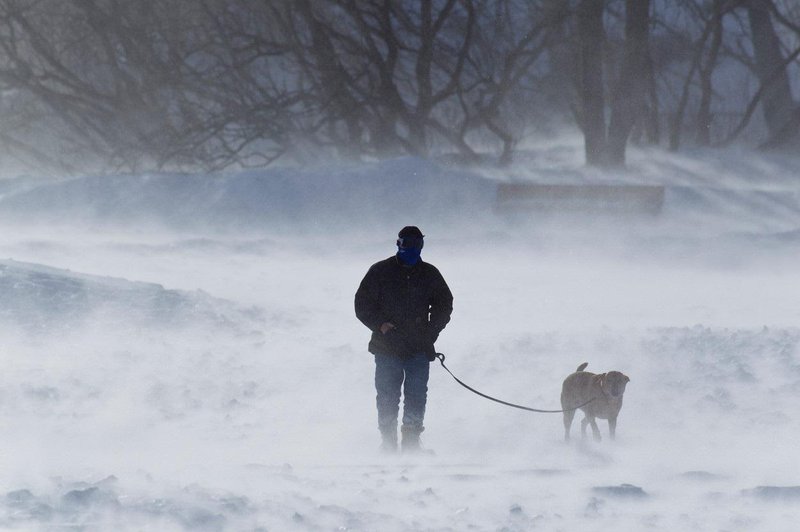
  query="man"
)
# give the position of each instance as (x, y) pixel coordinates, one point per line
(406, 303)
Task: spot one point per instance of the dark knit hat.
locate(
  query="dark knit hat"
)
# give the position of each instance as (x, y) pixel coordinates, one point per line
(410, 230)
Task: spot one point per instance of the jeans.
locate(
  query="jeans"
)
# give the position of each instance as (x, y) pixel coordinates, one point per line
(409, 373)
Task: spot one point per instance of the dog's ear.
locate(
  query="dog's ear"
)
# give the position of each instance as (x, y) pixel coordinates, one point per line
(627, 379)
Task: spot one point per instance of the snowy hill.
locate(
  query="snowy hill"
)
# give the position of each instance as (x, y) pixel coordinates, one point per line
(181, 353)
(715, 192)
(285, 198)
(37, 297)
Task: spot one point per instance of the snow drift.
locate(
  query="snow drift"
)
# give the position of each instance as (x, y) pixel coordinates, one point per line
(181, 354)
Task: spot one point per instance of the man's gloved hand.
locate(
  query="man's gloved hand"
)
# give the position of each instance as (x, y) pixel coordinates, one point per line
(430, 350)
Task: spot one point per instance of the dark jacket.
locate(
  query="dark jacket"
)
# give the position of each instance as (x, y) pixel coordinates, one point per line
(415, 299)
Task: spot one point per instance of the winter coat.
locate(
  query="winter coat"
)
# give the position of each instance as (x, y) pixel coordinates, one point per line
(416, 299)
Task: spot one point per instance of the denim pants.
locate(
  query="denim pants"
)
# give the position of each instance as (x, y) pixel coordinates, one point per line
(393, 373)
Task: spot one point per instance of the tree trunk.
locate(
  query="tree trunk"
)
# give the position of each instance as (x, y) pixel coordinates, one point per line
(652, 125)
(776, 101)
(592, 116)
(333, 85)
(704, 116)
(560, 55)
(628, 103)
(418, 127)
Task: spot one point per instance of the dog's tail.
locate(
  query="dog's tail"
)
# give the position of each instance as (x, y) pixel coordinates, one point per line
(582, 366)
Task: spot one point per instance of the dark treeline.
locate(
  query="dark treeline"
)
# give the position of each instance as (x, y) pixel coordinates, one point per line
(120, 85)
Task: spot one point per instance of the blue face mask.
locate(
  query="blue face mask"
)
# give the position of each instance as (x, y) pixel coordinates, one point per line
(408, 256)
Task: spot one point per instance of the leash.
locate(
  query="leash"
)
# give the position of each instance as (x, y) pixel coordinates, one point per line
(440, 356)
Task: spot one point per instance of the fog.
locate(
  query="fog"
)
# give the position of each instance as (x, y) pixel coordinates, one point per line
(181, 353)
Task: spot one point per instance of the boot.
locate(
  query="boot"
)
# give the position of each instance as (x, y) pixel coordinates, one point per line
(389, 439)
(410, 442)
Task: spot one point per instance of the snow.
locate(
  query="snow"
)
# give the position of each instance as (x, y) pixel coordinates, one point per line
(180, 352)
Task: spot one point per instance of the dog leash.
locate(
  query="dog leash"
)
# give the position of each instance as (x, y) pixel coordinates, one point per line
(441, 357)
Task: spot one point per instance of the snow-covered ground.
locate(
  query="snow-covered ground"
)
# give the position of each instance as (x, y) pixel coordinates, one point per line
(181, 353)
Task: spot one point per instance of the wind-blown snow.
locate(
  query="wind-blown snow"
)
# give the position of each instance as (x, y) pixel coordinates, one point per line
(180, 353)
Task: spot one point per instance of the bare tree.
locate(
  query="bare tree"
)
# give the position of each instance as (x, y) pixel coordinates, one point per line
(136, 84)
(776, 100)
(706, 70)
(605, 145)
(764, 56)
(592, 111)
(213, 84)
(413, 77)
(628, 101)
(704, 60)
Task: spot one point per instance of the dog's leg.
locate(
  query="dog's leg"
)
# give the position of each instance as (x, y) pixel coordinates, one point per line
(584, 424)
(568, 416)
(595, 429)
(612, 427)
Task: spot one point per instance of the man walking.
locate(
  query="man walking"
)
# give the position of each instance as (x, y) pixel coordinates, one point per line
(406, 303)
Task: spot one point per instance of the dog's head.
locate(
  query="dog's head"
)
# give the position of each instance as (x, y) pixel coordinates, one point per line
(612, 383)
